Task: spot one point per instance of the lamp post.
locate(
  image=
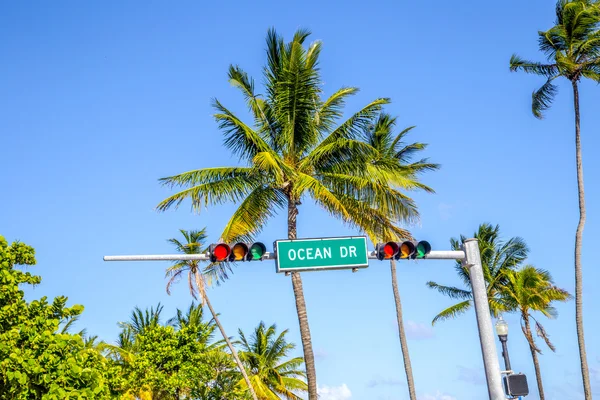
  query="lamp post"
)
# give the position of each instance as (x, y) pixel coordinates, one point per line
(502, 332)
(515, 385)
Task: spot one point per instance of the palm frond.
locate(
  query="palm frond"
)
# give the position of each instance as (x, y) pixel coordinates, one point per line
(376, 224)
(253, 213)
(452, 292)
(378, 194)
(240, 79)
(541, 332)
(239, 137)
(233, 189)
(272, 165)
(321, 194)
(348, 156)
(356, 124)
(332, 109)
(452, 311)
(530, 67)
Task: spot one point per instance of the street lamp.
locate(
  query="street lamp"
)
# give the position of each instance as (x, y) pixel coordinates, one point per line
(502, 332)
(515, 385)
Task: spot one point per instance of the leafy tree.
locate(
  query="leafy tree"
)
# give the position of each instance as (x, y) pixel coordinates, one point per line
(169, 363)
(37, 359)
(195, 244)
(497, 256)
(572, 48)
(396, 155)
(295, 150)
(272, 374)
(526, 290)
(177, 360)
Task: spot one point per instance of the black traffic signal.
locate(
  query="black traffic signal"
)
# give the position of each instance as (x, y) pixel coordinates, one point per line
(402, 250)
(220, 252)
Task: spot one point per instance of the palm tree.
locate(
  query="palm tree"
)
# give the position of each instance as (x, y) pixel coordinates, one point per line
(572, 47)
(497, 257)
(393, 152)
(527, 290)
(272, 374)
(194, 244)
(296, 149)
(194, 317)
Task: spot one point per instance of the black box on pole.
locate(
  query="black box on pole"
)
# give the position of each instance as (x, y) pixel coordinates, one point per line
(516, 385)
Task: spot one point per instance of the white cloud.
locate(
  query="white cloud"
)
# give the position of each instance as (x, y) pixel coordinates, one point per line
(418, 330)
(334, 392)
(437, 396)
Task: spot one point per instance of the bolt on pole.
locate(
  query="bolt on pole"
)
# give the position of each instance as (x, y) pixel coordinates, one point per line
(484, 320)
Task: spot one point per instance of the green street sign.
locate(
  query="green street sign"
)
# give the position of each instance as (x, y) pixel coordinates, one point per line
(321, 254)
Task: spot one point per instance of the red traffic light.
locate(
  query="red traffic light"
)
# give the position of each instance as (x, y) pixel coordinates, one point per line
(386, 251)
(219, 252)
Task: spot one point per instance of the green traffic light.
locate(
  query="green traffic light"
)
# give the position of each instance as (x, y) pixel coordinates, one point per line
(257, 250)
(423, 248)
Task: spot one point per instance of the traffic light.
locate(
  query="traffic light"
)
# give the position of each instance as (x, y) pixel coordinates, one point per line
(219, 252)
(402, 250)
(385, 251)
(407, 249)
(257, 251)
(238, 252)
(423, 248)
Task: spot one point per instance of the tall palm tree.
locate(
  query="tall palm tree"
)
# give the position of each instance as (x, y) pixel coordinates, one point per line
(392, 151)
(497, 256)
(273, 375)
(530, 289)
(572, 48)
(295, 149)
(195, 244)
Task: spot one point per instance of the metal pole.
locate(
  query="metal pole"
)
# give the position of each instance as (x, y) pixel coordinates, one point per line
(484, 320)
(433, 255)
(503, 340)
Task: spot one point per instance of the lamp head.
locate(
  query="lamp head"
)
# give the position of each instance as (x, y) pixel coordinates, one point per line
(501, 328)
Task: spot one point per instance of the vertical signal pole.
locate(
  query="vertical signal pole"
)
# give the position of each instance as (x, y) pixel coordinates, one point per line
(484, 320)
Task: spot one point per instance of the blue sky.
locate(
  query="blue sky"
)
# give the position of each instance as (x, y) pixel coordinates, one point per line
(99, 100)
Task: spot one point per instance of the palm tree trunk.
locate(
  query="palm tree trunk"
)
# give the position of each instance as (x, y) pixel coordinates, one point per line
(585, 373)
(403, 343)
(536, 364)
(309, 358)
(231, 348)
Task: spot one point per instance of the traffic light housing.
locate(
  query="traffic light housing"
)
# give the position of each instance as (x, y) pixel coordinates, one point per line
(240, 251)
(402, 250)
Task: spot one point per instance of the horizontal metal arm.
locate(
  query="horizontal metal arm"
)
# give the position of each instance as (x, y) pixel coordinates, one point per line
(171, 257)
(434, 255)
